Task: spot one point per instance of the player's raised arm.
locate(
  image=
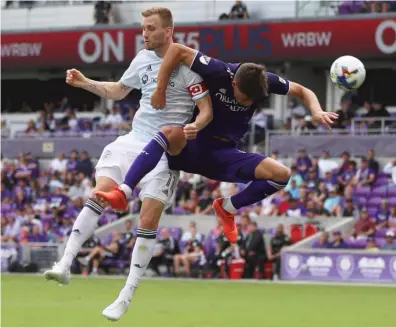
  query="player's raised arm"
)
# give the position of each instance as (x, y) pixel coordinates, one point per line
(176, 54)
(311, 101)
(110, 90)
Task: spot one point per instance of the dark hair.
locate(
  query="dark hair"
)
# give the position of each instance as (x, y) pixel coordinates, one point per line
(252, 81)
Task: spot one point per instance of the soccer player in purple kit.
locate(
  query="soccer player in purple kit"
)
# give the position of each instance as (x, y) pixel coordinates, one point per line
(236, 91)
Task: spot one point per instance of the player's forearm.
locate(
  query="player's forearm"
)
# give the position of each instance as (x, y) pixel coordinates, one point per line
(109, 90)
(311, 101)
(171, 61)
(205, 114)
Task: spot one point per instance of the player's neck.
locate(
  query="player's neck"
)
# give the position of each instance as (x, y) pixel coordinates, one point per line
(160, 52)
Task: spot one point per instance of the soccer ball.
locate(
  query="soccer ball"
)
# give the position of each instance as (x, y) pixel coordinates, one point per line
(348, 73)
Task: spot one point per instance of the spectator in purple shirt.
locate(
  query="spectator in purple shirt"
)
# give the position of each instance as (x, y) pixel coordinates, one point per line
(330, 180)
(345, 162)
(33, 165)
(365, 176)
(303, 162)
(72, 163)
(22, 171)
(323, 241)
(20, 200)
(312, 179)
(36, 236)
(346, 177)
(338, 241)
(382, 215)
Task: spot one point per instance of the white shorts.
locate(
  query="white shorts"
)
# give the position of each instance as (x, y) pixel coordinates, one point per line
(118, 156)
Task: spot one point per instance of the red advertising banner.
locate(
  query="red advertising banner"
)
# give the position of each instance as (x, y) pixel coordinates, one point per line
(375, 37)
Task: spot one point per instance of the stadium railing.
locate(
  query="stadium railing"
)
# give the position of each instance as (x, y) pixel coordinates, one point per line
(357, 141)
(388, 124)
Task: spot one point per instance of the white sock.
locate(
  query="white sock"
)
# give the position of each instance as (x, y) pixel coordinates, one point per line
(128, 191)
(83, 228)
(141, 257)
(228, 206)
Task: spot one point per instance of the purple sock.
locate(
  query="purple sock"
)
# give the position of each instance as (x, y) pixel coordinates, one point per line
(255, 192)
(147, 160)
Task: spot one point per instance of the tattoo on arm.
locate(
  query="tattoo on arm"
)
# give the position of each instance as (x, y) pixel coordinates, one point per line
(97, 88)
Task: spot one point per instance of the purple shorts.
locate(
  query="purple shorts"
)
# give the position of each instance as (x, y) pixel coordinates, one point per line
(217, 160)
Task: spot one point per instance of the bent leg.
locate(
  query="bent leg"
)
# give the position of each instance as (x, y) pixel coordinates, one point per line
(169, 139)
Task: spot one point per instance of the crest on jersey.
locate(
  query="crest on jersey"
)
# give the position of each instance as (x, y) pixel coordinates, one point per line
(175, 72)
(144, 79)
(204, 60)
(222, 90)
(148, 69)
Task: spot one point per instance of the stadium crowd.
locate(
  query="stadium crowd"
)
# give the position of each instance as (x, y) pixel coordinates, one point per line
(40, 205)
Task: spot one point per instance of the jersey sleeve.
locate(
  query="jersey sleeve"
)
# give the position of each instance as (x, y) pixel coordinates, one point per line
(131, 78)
(195, 85)
(213, 68)
(277, 85)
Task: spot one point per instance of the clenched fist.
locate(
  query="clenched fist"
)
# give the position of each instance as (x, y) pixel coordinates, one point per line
(75, 78)
(190, 131)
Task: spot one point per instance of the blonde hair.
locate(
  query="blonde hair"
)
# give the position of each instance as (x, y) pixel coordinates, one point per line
(164, 13)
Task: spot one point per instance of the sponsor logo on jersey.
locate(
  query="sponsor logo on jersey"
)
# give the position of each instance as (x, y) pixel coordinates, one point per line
(204, 60)
(145, 78)
(231, 102)
(175, 72)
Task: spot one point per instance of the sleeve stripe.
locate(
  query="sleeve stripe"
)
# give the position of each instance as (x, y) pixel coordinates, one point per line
(200, 96)
(192, 63)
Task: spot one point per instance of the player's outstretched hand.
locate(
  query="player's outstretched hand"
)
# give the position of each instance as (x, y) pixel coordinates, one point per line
(190, 131)
(158, 99)
(325, 118)
(75, 78)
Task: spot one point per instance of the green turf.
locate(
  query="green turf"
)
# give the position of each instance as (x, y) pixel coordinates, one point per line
(32, 301)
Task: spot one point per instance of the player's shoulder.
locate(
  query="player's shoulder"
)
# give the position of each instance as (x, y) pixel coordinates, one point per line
(144, 55)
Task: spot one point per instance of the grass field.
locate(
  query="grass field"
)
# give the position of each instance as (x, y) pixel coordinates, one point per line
(32, 301)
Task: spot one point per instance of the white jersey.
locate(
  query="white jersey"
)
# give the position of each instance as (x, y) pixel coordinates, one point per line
(184, 88)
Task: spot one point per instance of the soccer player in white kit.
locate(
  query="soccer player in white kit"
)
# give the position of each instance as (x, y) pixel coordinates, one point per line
(186, 89)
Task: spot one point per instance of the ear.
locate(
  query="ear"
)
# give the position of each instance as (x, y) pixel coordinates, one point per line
(233, 83)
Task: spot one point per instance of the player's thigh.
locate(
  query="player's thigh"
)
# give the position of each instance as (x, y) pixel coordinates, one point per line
(159, 185)
(187, 160)
(270, 169)
(233, 165)
(109, 166)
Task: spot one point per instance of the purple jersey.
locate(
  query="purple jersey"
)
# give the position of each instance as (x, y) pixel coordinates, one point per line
(34, 167)
(348, 175)
(382, 216)
(230, 119)
(71, 165)
(57, 200)
(365, 173)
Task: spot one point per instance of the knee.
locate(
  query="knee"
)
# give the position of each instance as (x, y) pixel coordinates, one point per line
(283, 174)
(176, 139)
(148, 221)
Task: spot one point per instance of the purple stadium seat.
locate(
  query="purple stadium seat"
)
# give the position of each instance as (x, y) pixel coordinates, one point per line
(381, 182)
(392, 191)
(374, 201)
(175, 232)
(392, 201)
(372, 210)
(382, 175)
(362, 201)
(357, 244)
(380, 242)
(381, 233)
(379, 192)
(362, 192)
